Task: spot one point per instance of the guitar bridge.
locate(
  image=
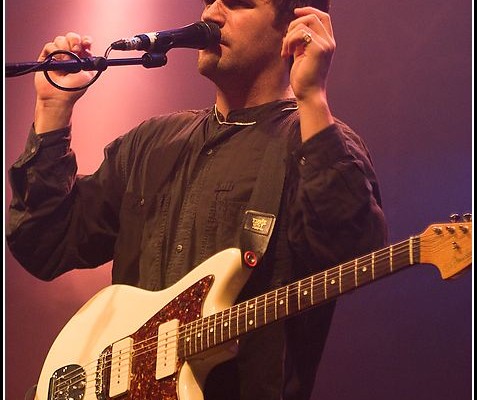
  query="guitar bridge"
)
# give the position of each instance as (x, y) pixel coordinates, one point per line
(68, 383)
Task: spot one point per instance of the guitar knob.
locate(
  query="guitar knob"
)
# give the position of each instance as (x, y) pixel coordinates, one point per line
(454, 217)
(467, 217)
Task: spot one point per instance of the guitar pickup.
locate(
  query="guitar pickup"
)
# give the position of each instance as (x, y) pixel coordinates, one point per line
(120, 367)
(166, 361)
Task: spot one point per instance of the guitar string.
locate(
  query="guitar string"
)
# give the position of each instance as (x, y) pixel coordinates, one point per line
(193, 327)
(240, 310)
(243, 304)
(234, 313)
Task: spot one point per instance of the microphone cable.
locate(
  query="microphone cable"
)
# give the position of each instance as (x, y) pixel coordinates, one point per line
(78, 60)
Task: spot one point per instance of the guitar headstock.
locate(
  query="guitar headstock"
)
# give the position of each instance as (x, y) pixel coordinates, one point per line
(448, 246)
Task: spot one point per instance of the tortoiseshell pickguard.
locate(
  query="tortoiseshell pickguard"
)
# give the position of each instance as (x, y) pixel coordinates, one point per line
(186, 307)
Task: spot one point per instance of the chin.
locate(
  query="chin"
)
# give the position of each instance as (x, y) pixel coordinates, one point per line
(207, 64)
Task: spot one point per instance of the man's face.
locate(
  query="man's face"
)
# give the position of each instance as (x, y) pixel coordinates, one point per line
(250, 42)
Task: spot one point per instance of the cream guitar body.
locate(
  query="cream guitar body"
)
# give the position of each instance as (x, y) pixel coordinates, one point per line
(94, 357)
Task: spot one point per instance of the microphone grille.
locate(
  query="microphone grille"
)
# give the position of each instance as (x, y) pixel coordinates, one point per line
(214, 33)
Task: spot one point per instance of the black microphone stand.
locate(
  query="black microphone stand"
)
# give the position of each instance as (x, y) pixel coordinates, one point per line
(148, 60)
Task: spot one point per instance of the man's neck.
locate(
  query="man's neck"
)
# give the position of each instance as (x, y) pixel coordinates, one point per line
(249, 91)
(227, 101)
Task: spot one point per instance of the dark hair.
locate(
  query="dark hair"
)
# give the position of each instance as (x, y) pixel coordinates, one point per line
(285, 8)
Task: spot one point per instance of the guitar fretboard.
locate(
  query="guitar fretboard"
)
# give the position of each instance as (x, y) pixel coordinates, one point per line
(210, 331)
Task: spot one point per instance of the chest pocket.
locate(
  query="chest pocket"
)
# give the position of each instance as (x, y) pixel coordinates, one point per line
(229, 211)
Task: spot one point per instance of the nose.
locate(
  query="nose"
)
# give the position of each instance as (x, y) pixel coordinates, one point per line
(214, 12)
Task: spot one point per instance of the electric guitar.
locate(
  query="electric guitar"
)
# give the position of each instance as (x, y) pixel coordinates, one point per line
(128, 343)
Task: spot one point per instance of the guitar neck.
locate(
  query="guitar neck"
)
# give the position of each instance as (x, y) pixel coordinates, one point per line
(296, 297)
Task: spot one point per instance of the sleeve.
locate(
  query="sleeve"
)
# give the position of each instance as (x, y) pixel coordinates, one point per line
(336, 213)
(59, 220)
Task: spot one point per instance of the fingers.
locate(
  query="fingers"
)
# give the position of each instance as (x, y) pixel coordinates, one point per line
(80, 45)
(310, 23)
(321, 18)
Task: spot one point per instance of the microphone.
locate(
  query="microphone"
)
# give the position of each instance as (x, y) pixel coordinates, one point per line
(198, 35)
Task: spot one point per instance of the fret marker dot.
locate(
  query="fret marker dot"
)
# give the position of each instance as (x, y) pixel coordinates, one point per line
(188, 340)
(305, 292)
(250, 322)
(364, 269)
(333, 281)
(250, 306)
(198, 335)
(226, 324)
(281, 302)
(211, 329)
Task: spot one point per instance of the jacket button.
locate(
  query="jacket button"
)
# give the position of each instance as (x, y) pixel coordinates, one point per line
(179, 248)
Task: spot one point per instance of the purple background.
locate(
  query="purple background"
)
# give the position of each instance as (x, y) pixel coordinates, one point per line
(401, 77)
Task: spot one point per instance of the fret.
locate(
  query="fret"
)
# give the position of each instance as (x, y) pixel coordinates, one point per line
(201, 334)
(230, 324)
(416, 248)
(255, 313)
(339, 279)
(286, 302)
(372, 265)
(207, 331)
(268, 311)
(276, 304)
(346, 279)
(411, 253)
(265, 311)
(195, 337)
(246, 320)
(190, 338)
(215, 329)
(391, 258)
(205, 334)
(355, 272)
(299, 295)
(312, 285)
(246, 316)
(222, 319)
(325, 281)
(186, 340)
(237, 321)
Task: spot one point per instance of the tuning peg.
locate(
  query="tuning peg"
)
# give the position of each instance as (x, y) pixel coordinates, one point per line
(467, 217)
(454, 217)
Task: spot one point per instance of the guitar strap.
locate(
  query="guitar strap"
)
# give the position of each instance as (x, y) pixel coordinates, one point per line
(264, 204)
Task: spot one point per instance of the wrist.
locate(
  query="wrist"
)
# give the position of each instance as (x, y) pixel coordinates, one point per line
(315, 115)
(52, 115)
